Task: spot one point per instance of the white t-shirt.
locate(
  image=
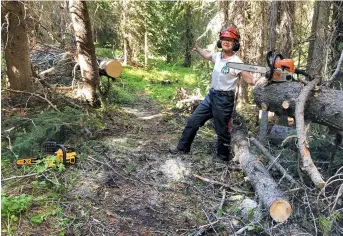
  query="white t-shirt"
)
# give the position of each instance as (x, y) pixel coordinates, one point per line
(223, 77)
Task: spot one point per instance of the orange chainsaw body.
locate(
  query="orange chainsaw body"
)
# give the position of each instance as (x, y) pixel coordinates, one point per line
(283, 68)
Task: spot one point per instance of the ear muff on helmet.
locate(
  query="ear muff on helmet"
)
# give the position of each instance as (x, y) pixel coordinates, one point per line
(219, 44)
(235, 47)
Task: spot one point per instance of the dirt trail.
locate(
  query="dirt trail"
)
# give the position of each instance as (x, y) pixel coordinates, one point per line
(135, 187)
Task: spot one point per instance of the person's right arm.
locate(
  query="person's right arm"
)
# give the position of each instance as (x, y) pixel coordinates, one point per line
(205, 54)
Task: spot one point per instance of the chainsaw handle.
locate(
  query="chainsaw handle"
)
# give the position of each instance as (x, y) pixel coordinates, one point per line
(272, 64)
(301, 72)
(64, 153)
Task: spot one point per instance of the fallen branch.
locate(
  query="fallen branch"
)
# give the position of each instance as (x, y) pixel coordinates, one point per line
(218, 183)
(305, 155)
(20, 176)
(36, 95)
(273, 160)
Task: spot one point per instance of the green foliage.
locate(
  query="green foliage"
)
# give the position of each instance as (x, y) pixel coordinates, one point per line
(11, 207)
(325, 224)
(160, 82)
(106, 52)
(31, 133)
(254, 228)
(131, 168)
(38, 219)
(115, 94)
(105, 22)
(340, 46)
(14, 204)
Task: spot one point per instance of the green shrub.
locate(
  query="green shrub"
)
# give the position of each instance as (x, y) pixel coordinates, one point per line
(30, 133)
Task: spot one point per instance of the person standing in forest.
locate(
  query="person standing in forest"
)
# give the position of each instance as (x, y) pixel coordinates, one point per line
(219, 103)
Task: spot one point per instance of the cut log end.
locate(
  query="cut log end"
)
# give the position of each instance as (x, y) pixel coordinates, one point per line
(280, 210)
(113, 68)
(285, 104)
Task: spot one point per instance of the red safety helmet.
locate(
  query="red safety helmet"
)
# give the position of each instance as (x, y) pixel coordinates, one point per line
(230, 32)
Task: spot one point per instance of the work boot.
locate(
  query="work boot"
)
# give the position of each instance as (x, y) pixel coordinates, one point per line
(221, 159)
(175, 150)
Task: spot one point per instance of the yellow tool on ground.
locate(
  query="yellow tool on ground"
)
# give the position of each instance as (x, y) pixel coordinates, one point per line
(62, 154)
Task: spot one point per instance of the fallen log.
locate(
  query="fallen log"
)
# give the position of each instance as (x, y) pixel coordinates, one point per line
(265, 187)
(110, 67)
(325, 108)
(278, 134)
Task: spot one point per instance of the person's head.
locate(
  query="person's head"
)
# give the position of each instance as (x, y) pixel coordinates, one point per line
(229, 39)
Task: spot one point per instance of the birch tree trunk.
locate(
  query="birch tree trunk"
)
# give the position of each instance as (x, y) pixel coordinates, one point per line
(16, 46)
(86, 51)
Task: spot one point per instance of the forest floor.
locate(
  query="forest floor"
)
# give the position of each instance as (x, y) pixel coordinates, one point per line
(131, 185)
(134, 186)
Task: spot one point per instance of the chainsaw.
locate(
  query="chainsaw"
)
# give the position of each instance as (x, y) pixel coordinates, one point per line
(63, 155)
(278, 69)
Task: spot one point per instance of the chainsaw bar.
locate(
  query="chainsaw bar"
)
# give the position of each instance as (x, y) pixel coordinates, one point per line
(247, 67)
(26, 161)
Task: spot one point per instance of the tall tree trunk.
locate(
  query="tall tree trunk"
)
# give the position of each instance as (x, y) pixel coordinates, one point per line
(287, 26)
(188, 37)
(16, 46)
(272, 21)
(86, 50)
(146, 49)
(225, 7)
(123, 31)
(318, 40)
(263, 29)
(236, 17)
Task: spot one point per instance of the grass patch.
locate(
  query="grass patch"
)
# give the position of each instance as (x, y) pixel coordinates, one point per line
(162, 81)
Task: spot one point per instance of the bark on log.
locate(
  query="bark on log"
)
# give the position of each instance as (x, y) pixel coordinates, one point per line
(326, 108)
(109, 67)
(264, 185)
(279, 133)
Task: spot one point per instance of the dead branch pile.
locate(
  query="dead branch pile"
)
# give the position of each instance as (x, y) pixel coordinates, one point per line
(53, 64)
